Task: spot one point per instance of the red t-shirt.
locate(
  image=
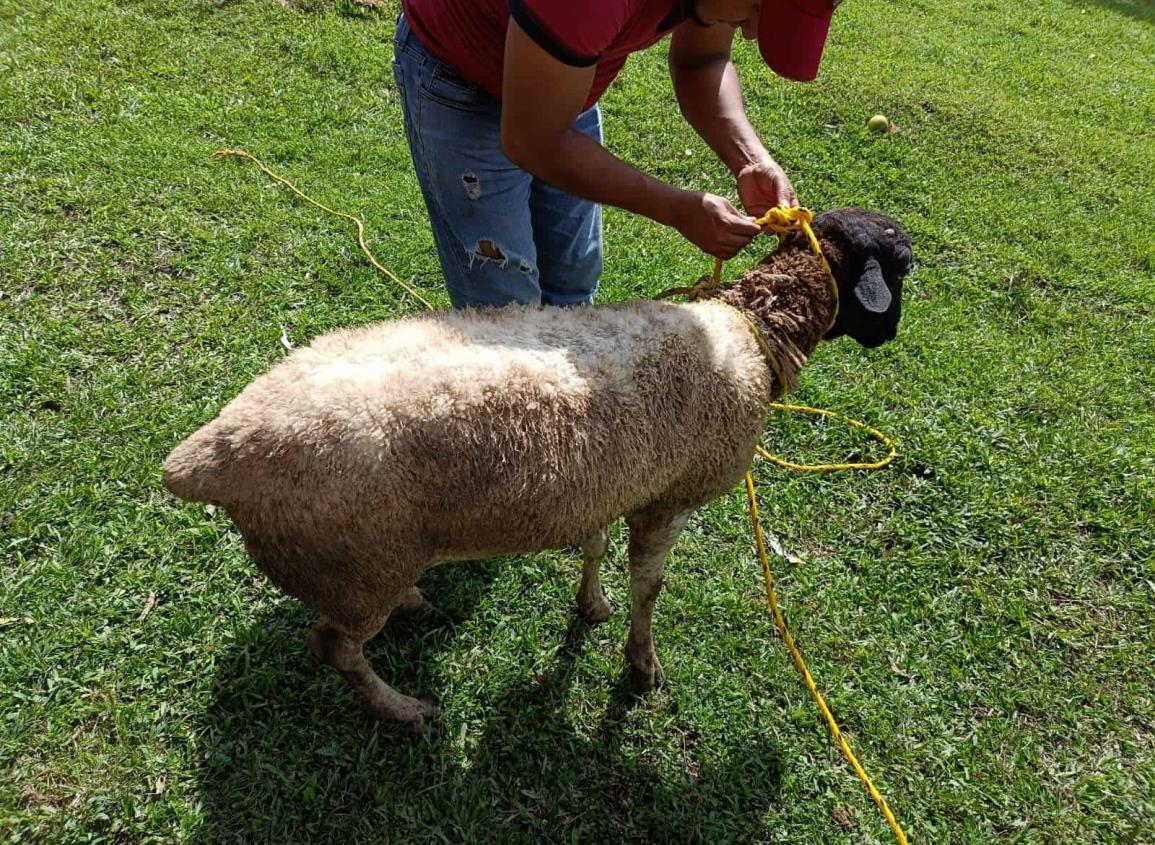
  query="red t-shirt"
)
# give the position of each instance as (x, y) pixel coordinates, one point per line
(469, 35)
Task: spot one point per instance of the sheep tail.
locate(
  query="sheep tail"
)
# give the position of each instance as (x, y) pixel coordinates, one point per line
(198, 470)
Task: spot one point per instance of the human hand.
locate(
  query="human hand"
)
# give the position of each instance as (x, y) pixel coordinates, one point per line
(764, 185)
(712, 224)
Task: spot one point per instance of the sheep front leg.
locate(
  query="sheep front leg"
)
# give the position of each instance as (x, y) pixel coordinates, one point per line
(592, 602)
(652, 535)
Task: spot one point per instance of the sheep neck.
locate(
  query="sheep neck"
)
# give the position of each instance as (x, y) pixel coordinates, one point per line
(789, 297)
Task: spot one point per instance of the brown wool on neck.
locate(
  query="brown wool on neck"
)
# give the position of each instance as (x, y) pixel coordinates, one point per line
(789, 298)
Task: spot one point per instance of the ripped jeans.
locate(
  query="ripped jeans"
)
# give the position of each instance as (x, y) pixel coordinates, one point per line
(502, 235)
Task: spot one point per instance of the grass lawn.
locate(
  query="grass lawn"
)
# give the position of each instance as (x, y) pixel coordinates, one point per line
(981, 614)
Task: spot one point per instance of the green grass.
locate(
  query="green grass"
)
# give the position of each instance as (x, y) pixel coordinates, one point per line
(980, 614)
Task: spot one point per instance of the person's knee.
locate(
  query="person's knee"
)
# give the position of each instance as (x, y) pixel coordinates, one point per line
(495, 274)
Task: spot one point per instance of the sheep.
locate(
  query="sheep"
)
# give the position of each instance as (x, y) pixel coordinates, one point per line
(378, 452)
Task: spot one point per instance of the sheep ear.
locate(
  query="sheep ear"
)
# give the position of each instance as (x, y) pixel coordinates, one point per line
(871, 290)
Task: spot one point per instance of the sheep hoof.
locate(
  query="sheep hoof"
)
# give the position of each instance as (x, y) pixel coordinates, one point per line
(418, 717)
(597, 611)
(646, 677)
(427, 721)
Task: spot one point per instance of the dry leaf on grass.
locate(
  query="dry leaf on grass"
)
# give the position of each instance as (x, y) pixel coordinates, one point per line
(780, 550)
(149, 604)
(898, 670)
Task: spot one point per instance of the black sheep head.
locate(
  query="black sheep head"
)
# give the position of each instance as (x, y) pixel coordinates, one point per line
(871, 256)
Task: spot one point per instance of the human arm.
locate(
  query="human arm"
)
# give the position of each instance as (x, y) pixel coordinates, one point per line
(542, 97)
(710, 98)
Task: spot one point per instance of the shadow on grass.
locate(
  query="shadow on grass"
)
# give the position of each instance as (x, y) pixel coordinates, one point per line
(290, 757)
(1143, 10)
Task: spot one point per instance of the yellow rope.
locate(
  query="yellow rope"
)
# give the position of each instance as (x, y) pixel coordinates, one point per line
(783, 221)
(780, 220)
(220, 154)
(780, 622)
(806, 409)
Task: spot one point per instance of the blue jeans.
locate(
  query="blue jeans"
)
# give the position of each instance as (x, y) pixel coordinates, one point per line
(502, 235)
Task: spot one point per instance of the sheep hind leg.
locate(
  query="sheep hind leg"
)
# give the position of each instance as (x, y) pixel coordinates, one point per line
(342, 650)
(592, 601)
(652, 535)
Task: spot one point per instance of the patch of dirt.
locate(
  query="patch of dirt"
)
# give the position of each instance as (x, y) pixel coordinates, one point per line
(301, 5)
(843, 818)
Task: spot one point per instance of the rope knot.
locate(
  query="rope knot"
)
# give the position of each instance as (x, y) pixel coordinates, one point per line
(785, 219)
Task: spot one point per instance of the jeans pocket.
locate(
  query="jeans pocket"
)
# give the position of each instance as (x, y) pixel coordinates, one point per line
(444, 86)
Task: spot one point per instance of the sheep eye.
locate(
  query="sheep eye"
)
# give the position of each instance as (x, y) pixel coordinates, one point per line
(903, 259)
